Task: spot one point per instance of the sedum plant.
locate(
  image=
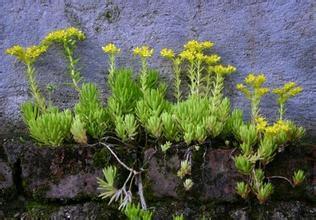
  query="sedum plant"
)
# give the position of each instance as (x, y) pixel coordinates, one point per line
(178, 217)
(149, 111)
(242, 189)
(68, 39)
(261, 141)
(28, 56)
(284, 93)
(124, 93)
(91, 111)
(78, 131)
(134, 212)
(185, 169)
(126, 127)
(298, 177)
(144, 52)
(187, 184)
(106, 185)
(50, 128)
(254, 91)
(112, 50)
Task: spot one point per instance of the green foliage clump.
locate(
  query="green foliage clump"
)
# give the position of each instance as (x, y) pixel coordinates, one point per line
(91, 111)
(134, 212)
(50, 128)
(298, 177)
(126, 127)
(149, 111)
(78, 131)
(124, 93)
(106, 185)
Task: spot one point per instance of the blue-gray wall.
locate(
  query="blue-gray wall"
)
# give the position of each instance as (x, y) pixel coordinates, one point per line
(276, 37)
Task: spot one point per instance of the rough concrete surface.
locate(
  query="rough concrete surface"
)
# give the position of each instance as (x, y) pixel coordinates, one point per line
(276, 37)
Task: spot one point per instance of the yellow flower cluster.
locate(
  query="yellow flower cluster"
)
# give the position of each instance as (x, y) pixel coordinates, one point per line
(111, 49)
(64, 35)
(196, 46)
(167, 53)
(193, 50)
(212, 59)
(276, 128)
(27, 55)
(288, 90)
(261, 124)
(187, 55)
(222, 70)
(255, 80)
(143, 52)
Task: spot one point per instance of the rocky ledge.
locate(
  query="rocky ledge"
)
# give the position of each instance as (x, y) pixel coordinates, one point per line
(39, 181)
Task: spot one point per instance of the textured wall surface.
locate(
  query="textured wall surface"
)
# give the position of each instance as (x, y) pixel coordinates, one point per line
(276, 37)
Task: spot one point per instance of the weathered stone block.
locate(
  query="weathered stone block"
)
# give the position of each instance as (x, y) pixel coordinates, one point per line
(215, 177)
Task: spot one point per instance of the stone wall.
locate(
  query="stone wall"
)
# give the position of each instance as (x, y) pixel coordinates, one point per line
(276, 37)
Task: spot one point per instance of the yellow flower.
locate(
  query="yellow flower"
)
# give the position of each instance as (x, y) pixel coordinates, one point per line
(111, 49)
(27, 55)
(167, 53)
(289, 85)
(243, 89)
(260, 79)
(255, 80)
(261, 124)
(200, 57)
(288, 90)
(64, 35)
(240, 86)
(295, 91)
(206, 44)
(187, 55)
(15, 50)
(262, 91)
(250, 78)
(212, 59)
(193, 45)
(279, 126)
(143, 51)
(223, 70)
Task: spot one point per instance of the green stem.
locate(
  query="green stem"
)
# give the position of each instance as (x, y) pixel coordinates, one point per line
(39, 99)
(192, 78)
(75, 77)
(254, 108)
(282, 111)
(143, 75)
(198, 76)
(217, 92)
(177, 81)
(111, 68)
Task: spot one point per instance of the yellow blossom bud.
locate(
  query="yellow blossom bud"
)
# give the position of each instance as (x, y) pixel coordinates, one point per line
(167, 53)
(143, 51)
(27, 55)
(200, 56)
(206, 44)
(64, 36)
(223, 70)
(193, 45)
(111, 49)
(262, 91)
(212, 59)
(261, 124)
(187, 55)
